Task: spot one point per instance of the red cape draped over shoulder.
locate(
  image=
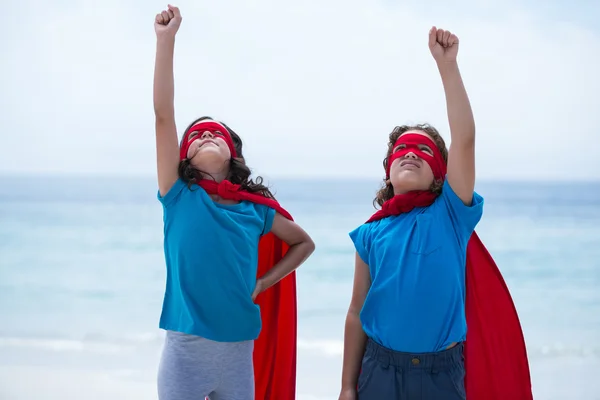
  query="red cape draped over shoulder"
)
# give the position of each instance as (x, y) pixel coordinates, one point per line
(275, 347)
(496, 362)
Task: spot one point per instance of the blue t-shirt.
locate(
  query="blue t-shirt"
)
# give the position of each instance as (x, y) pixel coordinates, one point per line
(211, 252)
(417, 261)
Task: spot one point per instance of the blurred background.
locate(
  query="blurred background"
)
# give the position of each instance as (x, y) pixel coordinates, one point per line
(313, 88)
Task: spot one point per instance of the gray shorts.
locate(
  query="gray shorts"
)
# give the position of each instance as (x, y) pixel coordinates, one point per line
(192, 368)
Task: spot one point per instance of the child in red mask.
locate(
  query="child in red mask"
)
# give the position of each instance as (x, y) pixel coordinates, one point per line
(231, 250)
(406, 329)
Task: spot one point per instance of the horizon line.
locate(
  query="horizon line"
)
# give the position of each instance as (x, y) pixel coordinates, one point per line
(10, 174)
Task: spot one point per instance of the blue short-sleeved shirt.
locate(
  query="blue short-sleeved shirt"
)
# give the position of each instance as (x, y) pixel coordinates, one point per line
(211, 252)
(417, 261)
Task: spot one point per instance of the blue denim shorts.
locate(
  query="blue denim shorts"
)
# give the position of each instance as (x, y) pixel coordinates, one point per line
(388, 374)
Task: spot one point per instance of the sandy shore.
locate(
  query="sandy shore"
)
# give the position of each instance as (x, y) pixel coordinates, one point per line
(318, 379)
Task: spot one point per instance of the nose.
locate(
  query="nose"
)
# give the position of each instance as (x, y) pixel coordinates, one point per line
(206, 134)
(410, 154)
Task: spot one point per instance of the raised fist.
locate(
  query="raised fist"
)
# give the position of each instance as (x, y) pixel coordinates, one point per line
(168, 21)
(443, 45)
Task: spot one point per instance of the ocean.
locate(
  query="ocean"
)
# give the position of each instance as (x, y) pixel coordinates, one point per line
(82, 278)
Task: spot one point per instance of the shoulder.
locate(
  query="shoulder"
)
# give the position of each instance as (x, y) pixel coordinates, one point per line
(449, 196)
(362, 232)
(362, 239)
(463, 216)
(254, 214)
(260, 210)
(184, 196)
(370, 230)
(267, 215)
(173, 195)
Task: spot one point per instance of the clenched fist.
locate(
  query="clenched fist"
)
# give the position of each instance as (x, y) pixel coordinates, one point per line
(167, 22)
(443, 45)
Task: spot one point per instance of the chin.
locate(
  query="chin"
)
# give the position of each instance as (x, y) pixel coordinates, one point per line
(406, 184)
(209, 160)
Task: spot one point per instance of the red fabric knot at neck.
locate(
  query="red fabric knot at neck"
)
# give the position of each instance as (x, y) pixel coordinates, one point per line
(224, 189)
(403, 203)
(228, 190)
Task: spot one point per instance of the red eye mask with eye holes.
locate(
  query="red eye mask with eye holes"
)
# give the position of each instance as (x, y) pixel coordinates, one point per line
(218, 130)
(413, 143)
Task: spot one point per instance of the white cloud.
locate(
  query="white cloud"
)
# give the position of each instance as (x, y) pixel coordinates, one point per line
(312, 87)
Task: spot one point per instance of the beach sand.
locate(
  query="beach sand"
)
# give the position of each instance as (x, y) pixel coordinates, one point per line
(562, 378)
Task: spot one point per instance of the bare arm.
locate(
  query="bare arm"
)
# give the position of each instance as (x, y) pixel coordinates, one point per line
(461, 156)
(167, 146)
(355, 339)
(301, 247)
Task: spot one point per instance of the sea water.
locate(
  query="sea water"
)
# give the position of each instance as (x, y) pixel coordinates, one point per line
(82, 276)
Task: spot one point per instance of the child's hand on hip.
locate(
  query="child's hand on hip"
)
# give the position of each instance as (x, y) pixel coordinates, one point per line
(167, 22)
(258, 288)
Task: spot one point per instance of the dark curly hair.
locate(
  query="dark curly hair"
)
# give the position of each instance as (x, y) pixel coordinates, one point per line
(239, 173)
(387, 191)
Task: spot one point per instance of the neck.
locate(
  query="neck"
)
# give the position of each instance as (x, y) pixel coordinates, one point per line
(407, 187)
(405, 190)
(217, 176)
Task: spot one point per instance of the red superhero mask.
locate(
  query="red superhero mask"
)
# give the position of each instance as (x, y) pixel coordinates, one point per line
(413, 143)
(218, 130)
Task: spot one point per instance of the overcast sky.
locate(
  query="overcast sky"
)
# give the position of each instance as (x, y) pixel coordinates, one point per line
(313, 87)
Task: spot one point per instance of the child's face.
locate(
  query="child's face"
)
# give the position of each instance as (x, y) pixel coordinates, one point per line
(410, 171)
(207, 150)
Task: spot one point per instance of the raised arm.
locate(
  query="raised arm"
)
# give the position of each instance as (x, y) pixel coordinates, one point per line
(461, 155)
(166, 25)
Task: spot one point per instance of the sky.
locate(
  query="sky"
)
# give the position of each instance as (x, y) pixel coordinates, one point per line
(313, 87)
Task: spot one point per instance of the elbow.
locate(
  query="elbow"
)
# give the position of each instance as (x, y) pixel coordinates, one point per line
(310, 246)
(469, 136)
(163, 118)
(305, 243)
(306, 248)
(163, 113)
(463, 134)
(465, 142)
(352, 313)
(302, 249)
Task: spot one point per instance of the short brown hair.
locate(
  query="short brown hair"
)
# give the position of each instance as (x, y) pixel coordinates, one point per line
(387, 191)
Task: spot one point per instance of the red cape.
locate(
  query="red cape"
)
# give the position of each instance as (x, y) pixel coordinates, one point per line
(496, 361)
(275, 347)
